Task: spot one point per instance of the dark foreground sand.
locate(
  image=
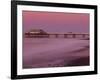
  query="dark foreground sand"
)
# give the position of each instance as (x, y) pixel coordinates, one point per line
(81, 61)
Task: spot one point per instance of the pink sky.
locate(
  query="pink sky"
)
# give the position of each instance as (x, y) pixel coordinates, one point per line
(56, 22)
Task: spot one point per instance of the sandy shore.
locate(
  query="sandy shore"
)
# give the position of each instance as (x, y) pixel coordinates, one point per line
(67, 53)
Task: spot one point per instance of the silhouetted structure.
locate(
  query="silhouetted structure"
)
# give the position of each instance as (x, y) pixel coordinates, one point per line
(36, 33)
(39, 33)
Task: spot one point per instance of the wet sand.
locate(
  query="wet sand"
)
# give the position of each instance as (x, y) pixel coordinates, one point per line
(55, 53)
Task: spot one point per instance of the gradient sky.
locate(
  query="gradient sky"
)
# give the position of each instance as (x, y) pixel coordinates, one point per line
(56, 22)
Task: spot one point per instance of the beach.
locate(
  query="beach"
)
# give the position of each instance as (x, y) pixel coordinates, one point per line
(55, 52)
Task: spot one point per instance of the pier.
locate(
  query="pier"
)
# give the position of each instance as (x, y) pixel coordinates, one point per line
(67, 35)
(39, 33)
